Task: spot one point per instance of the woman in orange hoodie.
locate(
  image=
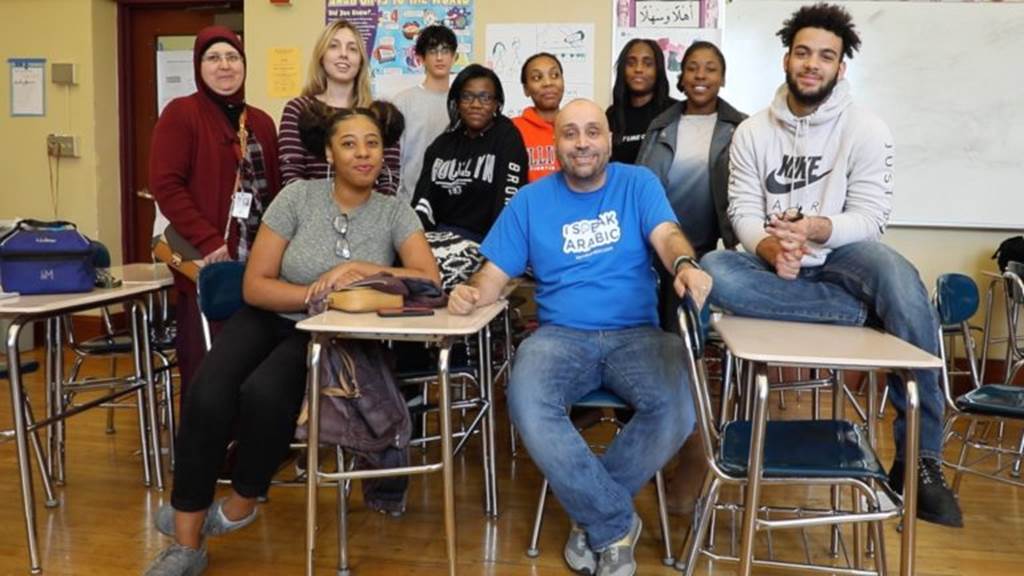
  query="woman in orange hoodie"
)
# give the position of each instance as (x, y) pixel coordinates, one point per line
(542, 82)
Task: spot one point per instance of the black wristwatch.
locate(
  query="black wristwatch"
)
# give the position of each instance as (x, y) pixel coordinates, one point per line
(684, 259)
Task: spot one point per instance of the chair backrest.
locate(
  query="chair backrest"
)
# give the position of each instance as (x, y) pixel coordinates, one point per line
(100, 254)
(1012, 277)
(219, 288)
(693, 325)
(956, 298)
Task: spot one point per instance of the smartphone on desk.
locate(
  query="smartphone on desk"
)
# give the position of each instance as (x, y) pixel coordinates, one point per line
(405, 311)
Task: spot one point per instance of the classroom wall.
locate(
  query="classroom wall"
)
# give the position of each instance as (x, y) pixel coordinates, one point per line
(83, 32)
(934, 251)
(297, 25)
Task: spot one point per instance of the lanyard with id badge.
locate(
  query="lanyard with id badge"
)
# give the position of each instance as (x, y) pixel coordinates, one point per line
(241, 201)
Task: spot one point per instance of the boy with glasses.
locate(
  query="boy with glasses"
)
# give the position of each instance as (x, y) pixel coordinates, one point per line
(424, 105)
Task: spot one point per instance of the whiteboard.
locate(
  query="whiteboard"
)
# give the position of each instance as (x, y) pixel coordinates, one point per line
(948, 78)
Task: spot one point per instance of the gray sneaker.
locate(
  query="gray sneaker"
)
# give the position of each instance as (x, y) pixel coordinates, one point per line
(178, 560)
(619, 559)
(578, 555)
(215, 523)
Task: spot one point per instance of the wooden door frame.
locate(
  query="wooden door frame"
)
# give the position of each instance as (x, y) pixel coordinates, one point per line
(126, 10)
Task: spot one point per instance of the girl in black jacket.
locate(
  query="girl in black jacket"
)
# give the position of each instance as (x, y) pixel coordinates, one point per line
(475, 167)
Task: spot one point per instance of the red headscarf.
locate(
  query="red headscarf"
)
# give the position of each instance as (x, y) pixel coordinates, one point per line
(207, 37)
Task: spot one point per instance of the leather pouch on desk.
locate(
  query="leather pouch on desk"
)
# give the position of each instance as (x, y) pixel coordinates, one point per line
(382, 290)
(363, 299)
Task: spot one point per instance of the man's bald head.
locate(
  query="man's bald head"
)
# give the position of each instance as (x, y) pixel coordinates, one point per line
(581, 109)
(583, 143)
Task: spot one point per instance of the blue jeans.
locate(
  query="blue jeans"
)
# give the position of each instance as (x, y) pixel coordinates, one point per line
(557, 366)
(856, 280)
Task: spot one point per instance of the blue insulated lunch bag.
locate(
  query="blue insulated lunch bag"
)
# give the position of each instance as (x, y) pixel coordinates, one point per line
(39, 257)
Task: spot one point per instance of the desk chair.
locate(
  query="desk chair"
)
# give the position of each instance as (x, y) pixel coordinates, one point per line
(603, 399)
(112, 344)
(795, 452)
(956, 299)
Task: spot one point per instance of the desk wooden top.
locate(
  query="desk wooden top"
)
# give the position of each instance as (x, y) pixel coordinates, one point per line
(369, 325)
(143, 278)
(142, 273)
(819, 345)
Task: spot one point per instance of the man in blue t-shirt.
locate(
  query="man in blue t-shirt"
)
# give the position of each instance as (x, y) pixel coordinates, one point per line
(590, 234)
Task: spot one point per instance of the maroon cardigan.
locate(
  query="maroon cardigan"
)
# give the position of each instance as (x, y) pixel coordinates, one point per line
(192, 166)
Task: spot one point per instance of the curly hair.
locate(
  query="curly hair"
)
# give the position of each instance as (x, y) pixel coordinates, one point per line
(318, 123)
(831, 17)
(435, 36)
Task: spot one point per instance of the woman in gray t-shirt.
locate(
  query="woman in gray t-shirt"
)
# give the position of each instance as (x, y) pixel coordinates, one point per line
(316, 236)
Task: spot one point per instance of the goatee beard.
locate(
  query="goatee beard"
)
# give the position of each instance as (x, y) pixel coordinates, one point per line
(811, 99)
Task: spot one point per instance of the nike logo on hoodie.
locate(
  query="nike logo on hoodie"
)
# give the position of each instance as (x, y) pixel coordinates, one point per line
(798, 170)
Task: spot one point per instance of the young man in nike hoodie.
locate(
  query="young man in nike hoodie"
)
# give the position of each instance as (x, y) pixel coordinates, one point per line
(809, 197)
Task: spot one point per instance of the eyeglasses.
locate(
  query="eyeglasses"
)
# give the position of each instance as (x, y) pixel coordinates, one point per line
(484, 98)
(217, 58)
(341, 247)
(440, 51)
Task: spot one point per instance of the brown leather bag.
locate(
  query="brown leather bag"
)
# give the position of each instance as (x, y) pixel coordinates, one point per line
(163, 252)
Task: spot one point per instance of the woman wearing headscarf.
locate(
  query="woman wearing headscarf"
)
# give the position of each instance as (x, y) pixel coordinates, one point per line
(210, 152)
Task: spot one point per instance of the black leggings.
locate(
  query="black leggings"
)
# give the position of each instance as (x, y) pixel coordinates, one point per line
(252, 382)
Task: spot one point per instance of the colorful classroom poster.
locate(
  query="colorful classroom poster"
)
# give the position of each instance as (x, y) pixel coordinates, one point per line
(509, 45)
(28, 87)
(673, 24)
(390, 27)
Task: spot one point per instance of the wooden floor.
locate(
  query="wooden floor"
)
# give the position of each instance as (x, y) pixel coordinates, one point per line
(104, 523)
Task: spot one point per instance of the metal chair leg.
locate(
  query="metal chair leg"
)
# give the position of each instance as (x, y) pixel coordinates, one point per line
(703, 513)
(533, 551)
(343, 569)
(958, 475)
(659, 483)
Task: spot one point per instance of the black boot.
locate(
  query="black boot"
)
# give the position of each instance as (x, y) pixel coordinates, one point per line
(936, 503)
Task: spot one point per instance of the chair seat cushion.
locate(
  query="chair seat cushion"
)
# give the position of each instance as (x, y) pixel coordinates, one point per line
(803, 449)
(994, 400)
(600, 398)
(26, 368)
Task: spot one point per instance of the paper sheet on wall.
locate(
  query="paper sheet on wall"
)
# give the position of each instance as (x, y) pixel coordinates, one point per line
(174, 76)
(28, 92)
(509, 45)
(673, 24)
(283, 72)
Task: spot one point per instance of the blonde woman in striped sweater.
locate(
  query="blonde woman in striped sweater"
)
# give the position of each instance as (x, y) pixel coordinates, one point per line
(339, 77)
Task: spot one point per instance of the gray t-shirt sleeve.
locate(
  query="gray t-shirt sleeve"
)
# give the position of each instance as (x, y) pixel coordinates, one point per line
(282, 215)
(404, 225)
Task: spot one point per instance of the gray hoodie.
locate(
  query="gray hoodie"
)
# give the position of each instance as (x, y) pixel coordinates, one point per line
(836, 162)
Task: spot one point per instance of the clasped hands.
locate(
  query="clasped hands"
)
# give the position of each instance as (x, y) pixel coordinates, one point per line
(787, 244)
